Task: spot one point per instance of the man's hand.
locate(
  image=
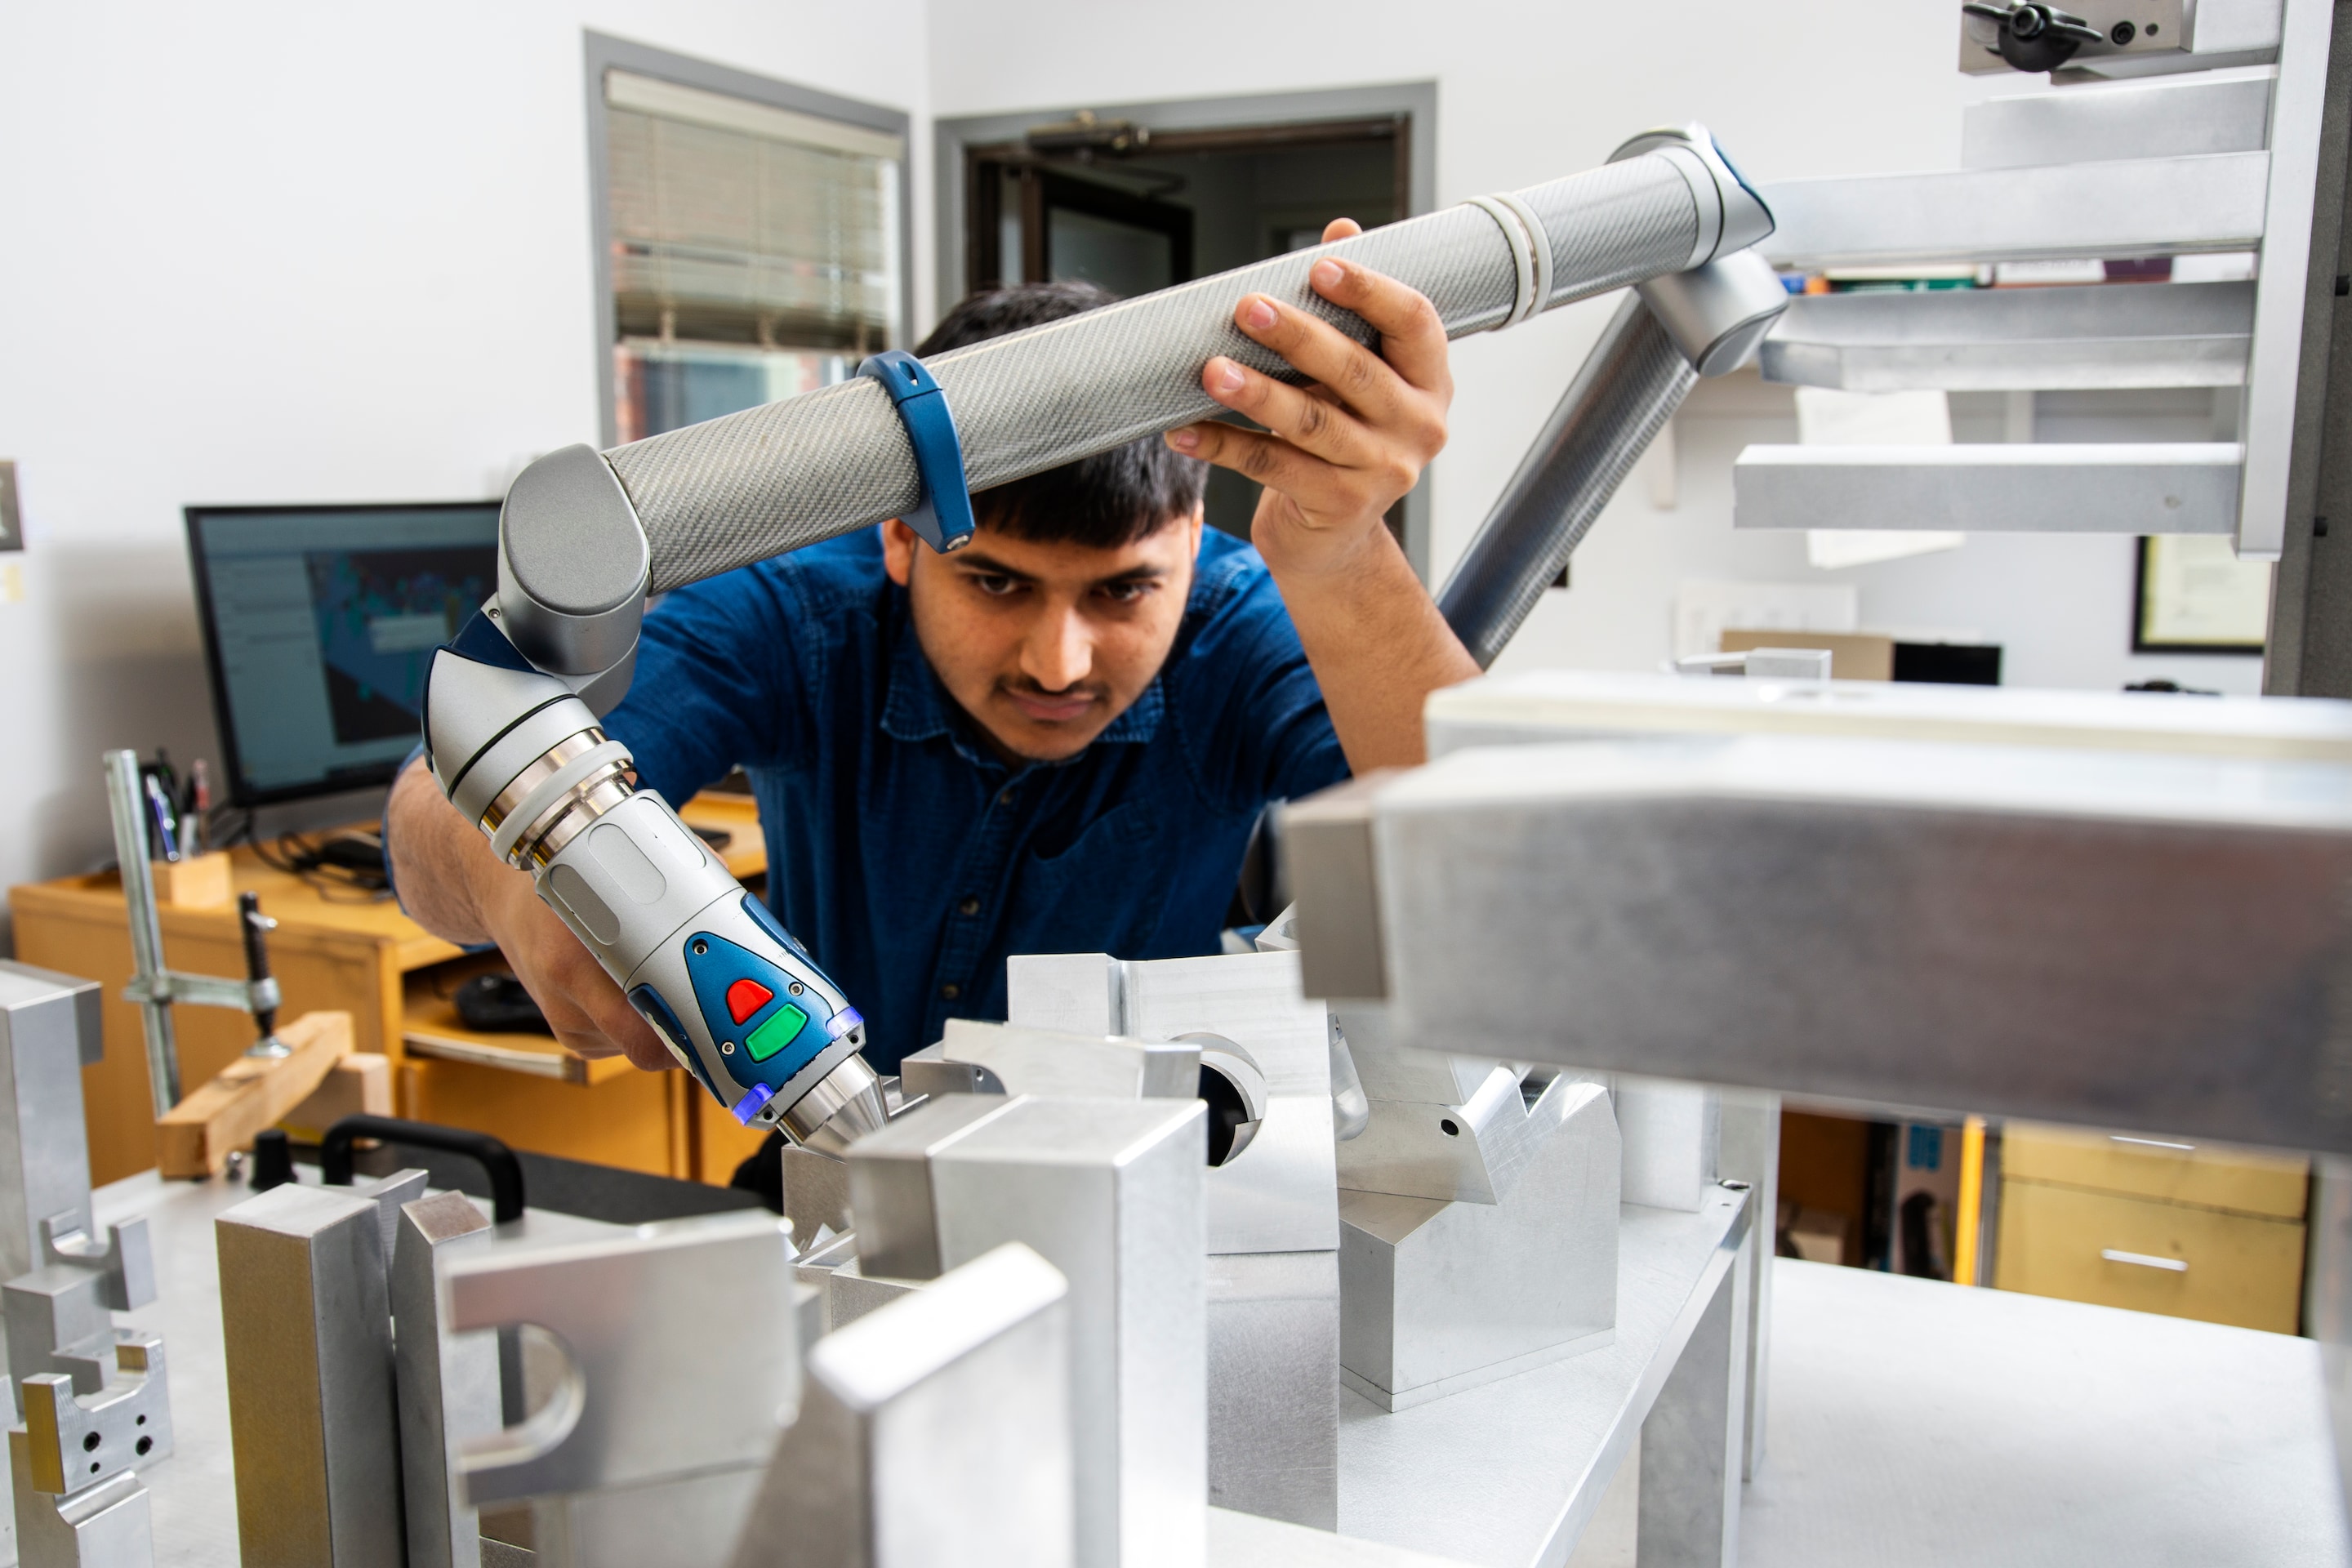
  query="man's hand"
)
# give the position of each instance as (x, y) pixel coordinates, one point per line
(458, 890)
(1340, 454)
(1345, 449)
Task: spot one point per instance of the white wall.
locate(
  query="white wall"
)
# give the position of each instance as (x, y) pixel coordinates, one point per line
(296, 252)
(1527, 92)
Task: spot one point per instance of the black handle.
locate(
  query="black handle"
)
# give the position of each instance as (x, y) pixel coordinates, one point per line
(497, 1161)
(251, 923)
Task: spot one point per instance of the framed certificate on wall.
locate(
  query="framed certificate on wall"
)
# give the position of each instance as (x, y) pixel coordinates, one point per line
(2194, 595)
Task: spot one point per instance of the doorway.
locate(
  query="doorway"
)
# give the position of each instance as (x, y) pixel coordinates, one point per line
(1139, 196)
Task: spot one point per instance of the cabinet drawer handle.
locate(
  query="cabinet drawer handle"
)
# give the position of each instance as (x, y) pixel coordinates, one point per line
(2142, 1261)
(2150, 1142)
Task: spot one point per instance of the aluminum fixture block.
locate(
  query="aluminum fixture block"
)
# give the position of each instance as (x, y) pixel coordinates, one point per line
(1996, 339)
(1277, 1194)
(78, 1440)
(1273, 1386)
(1552, 705)
(306, 1324)
(1437, 1296)
(2144, 207)
(1672, 1138)
(48, 1032)
(2109, 488)
(109, 1525)
(2183, 118)
(448, 1383)
(934, 1433)
(1010, 1058)
(648, 1395)
(891, 1189)
(2087, 936)
(1110, 1193)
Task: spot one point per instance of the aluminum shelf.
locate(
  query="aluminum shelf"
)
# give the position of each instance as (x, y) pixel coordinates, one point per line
(2052, 488)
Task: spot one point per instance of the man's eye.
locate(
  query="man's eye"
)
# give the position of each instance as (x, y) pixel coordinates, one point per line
(993, 586)
(1125, 593)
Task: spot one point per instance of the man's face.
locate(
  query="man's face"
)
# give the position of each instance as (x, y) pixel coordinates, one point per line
(1044, 644)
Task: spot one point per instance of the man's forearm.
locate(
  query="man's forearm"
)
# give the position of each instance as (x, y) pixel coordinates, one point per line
(1378, 648)
(437, 859)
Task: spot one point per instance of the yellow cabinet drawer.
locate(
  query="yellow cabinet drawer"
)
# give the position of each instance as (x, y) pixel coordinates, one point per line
(2177, 1171)
(2150, 1257)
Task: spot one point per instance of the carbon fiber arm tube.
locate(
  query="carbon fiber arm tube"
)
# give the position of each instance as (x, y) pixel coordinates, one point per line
(1629, 387)
(723, 494)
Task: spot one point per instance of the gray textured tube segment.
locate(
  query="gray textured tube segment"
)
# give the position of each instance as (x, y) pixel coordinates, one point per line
(1622, 397)
(752, 485)
(935, 1433)
(647, 1396)
(2100, 936)
(448, 1383)
(307, 1327)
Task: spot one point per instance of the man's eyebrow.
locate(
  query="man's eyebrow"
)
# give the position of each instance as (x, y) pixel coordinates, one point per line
(981, 562)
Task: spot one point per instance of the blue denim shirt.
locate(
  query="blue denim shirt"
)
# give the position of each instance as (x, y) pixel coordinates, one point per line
(905, 857)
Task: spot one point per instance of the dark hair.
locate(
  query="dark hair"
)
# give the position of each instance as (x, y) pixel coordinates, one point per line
(1110, 499)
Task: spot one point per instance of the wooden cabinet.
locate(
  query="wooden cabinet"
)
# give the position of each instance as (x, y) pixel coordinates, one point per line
(334, 951)
(2156, 1225)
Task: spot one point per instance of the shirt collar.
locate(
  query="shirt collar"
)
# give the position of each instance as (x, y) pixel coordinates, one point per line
(916, 708)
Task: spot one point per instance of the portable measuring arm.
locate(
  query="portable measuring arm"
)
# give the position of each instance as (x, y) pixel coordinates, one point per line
(512, 703)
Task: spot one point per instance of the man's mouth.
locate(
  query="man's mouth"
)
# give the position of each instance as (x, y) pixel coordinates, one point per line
(1051, 707)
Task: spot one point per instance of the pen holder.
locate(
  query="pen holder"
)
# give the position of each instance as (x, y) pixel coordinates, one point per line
(198, 882)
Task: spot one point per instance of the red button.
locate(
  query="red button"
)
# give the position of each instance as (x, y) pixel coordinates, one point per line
(746, 998)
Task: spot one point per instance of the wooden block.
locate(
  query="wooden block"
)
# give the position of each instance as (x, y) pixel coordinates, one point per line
(198, 882)
(359, 1085)
(251, 1093)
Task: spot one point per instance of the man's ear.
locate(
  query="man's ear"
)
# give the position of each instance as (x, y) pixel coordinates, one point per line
(900, 543)
(1199, 520)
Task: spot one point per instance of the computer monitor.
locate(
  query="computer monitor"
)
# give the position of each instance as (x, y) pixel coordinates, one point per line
(319, 623)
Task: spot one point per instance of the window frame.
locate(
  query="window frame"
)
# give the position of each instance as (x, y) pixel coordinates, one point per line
(603, 53)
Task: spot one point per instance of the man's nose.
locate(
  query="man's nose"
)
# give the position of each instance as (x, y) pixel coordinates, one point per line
(1059, 651)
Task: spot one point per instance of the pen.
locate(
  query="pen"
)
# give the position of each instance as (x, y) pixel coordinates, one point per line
(161, 805)
(200, 805)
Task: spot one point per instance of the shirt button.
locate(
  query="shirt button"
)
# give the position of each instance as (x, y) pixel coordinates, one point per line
(969, 907)
(1004, 796)
(950, 990)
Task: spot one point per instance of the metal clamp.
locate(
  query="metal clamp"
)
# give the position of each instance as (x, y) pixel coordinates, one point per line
(943, 514)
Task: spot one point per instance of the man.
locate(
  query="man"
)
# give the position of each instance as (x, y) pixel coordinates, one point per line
(1054, 740)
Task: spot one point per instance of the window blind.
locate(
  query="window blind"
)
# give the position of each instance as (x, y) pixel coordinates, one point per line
(739, 222)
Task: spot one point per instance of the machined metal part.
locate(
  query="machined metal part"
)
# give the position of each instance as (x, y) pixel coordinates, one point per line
(1673, 1138)
(1437, 1296)
(1753, 910)
(106, 1525)
(1110, 1193)
(448, 1383)
(2138, 206)
(571, 563)
(1025, 1059)
(1236, 1093)
(1273, 1385)
(2172, 117)
(78, 1439)
(1694, 1437)
(1276, 1196)
(935, 1433)
(1979, 340)
(130, 852)
(652, 1432)
(1622, 397)
(307, 1327)
(2186, 487)
(48, 1032)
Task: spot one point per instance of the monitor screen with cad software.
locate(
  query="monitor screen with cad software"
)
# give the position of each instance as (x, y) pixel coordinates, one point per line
(319, 623)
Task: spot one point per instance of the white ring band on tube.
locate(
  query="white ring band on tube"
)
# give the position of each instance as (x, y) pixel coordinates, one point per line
(536, 803)
(1523, 262)
(1541, 242)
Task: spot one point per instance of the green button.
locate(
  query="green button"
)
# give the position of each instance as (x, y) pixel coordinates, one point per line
(775, 1034)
